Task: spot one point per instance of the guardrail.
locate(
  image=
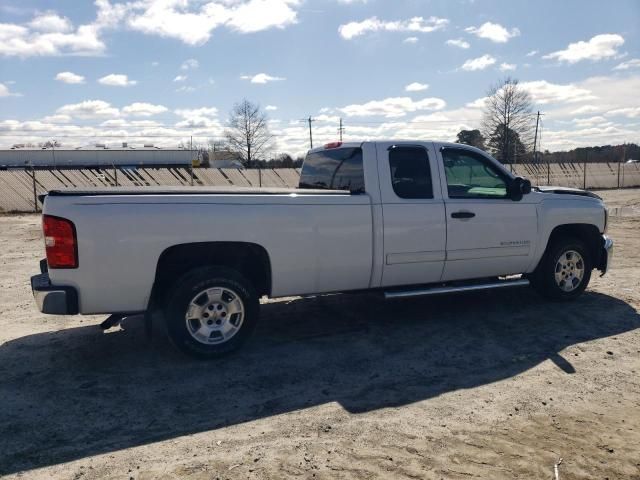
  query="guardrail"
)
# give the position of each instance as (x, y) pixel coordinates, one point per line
(19, 189)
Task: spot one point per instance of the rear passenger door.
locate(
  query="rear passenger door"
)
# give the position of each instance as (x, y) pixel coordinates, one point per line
(413, 212)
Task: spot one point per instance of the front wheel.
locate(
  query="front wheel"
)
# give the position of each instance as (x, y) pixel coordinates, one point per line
(564, 271)
(211, 312)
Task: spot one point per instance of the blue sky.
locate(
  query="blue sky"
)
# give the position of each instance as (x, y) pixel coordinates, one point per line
(162, 71)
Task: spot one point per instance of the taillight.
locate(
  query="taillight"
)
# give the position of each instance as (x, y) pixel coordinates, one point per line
(328, 146)
(60, 242)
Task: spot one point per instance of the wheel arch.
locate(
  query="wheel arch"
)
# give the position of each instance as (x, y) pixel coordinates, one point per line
(588, 233)
(249, 259)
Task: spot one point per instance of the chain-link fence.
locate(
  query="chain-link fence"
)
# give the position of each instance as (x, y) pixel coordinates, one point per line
(19, 189)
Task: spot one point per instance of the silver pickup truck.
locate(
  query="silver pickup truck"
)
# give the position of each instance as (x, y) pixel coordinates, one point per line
(402, 218)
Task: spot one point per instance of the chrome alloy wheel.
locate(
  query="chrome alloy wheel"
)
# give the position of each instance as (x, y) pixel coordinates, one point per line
(569, 270)
(215, 315)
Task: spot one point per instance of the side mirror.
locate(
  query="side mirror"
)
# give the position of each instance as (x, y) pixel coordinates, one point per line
(518, 188)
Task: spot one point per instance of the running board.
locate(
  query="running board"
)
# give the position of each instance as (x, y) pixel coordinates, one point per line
(463, 288)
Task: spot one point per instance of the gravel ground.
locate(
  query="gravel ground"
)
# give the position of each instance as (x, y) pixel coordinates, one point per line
(493, 385)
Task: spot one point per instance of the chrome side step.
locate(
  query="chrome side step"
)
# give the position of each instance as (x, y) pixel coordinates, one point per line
(521, 282)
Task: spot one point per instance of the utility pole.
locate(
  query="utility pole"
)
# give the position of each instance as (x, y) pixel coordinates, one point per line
(341, 129)
(310, 134)
(535, 139)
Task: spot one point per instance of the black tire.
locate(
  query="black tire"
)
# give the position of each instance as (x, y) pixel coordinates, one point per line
(543, 280)
(187, 288)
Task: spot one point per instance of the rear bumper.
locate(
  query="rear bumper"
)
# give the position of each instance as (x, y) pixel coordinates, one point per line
(53, 299)
(606, 255)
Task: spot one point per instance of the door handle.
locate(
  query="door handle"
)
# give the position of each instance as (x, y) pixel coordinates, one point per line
(463, 215)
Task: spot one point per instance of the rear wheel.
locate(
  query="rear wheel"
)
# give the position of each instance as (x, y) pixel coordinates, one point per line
(564, 271)
(211, 312)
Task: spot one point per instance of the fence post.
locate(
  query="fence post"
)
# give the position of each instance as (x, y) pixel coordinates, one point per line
(260, 175)
(584, 173)
(548, 172)
(191, 171)
(619, 173)
(35, 192)
(115, 174)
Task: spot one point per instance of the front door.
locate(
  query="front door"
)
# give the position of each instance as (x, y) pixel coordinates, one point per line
(488, 234)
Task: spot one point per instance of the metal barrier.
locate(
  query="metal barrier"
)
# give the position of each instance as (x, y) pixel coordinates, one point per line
(19, 189)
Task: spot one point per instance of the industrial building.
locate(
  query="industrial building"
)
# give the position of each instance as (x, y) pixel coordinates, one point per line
(98, 156)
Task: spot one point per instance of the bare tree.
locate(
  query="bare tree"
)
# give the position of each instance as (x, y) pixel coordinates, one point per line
(247, 132)
(508, 121)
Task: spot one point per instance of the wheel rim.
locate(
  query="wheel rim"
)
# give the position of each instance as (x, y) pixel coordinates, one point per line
(569, 270)
(215, 315)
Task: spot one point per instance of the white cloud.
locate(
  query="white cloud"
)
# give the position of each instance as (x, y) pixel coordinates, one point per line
(271, 108)
(185, 89)
(410, 40)
(69, 77)
(532, 53)
(633, 63)
(597, 48)
(89, 109)
(544, 92)
(479, 63)
(257, 15)
(190, 63)
(51, 22)
(117, 80)
(591, 121)
(49, 34)
(327, 118)
(180, 78)
(196, 112)
(142, 109)
(373, 24)
(120, 122)
(57, 118)
(416, 87)
(193, 23)
(261, 78)
(478, 103)
(494, 32)
(586, 109)
(506, 67)
(629, 112)
(458, 42)
(392, 107)
(4, 91)
(204, 117)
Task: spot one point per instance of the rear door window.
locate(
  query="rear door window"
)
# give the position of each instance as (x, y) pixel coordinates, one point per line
(410, 172)
(334, 169)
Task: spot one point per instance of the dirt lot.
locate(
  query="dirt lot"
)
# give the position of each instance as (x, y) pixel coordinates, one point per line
(494, 385)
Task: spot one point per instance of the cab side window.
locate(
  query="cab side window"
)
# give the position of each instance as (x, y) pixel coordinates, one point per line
(469, 175)
(410, 172)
